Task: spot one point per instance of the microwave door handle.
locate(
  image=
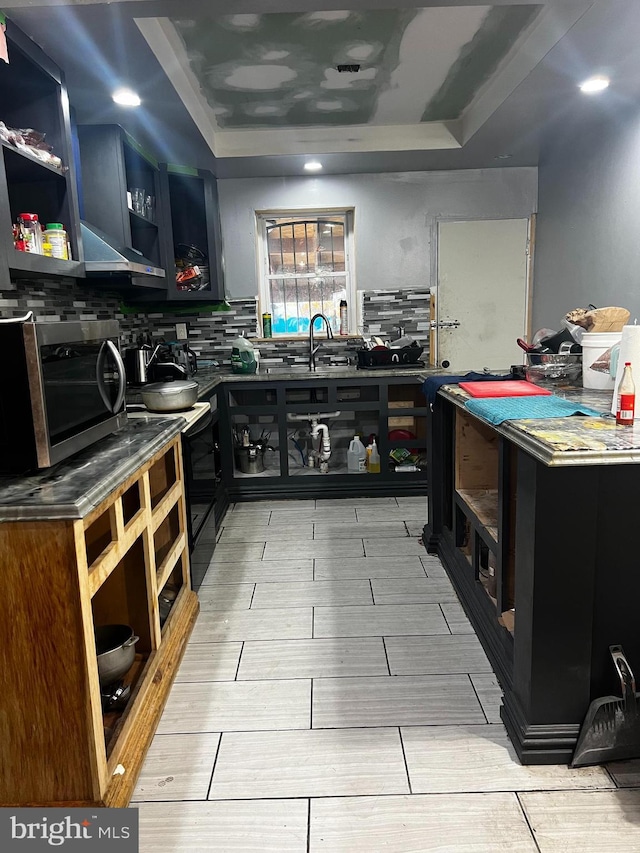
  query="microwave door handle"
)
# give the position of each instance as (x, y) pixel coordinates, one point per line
(100, 377)
(122, 378)
(122, 382)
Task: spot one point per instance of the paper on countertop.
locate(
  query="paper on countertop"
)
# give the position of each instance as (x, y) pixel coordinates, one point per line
(629, 351)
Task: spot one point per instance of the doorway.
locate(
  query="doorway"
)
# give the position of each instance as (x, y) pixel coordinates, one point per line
(482, 293)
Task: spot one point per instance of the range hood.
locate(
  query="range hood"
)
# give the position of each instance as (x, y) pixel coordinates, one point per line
(102, 256)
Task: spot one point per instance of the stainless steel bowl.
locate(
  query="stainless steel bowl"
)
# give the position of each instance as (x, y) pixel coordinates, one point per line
(115, 649)
(553, 369)
(177, 396)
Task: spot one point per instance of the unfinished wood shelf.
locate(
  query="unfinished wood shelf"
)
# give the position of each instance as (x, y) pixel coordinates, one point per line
(107, 568)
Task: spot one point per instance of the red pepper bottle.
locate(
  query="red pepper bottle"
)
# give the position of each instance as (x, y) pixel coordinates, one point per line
(626, 400)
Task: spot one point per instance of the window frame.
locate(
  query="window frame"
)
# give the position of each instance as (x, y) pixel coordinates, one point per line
(262, 257)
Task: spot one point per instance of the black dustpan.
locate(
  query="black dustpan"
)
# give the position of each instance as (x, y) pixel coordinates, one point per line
(611, 729)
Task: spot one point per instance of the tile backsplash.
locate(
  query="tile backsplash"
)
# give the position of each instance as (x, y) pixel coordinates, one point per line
(211, 334)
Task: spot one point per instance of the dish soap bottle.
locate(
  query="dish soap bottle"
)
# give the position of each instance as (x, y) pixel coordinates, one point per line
(356, 456)
(374, 459)
(626, 399)
(243, 357)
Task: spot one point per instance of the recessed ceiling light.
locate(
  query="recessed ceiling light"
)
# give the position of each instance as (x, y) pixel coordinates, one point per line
(313, 166)
(503, 156)
(126, 98)
(594, 84)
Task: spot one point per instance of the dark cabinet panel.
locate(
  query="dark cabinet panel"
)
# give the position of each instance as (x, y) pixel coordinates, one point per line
(189, 198)
(113, 165)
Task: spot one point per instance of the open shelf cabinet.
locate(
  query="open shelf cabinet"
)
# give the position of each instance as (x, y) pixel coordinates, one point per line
(65, 578)
(33, 95)
(189, 198)
(483, 519)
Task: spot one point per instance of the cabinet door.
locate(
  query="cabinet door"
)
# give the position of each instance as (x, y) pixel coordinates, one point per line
(189, 198)
(33, 95)
(113, 167)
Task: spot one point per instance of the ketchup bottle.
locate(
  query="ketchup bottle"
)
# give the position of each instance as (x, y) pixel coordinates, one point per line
(626, 400)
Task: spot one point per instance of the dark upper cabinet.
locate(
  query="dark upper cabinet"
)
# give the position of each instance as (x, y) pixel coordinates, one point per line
(33, 95)
(112, 168)
(189, 198)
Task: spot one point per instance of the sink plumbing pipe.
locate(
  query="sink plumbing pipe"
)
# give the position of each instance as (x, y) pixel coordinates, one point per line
(316, 430)
(323, 429)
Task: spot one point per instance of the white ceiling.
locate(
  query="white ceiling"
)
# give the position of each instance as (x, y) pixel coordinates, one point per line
(533, 80)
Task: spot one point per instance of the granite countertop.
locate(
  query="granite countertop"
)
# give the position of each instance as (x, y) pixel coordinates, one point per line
(577, 440)
(73, 488)
(189, 417)
(208, 377)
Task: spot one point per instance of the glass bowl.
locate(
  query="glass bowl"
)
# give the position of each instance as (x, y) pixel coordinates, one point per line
(553, 369)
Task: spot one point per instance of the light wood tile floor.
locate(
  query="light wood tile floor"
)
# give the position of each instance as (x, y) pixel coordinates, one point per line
(334, 697)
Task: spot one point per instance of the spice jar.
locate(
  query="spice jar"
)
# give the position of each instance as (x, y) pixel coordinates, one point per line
(57, 237)
(30, 232)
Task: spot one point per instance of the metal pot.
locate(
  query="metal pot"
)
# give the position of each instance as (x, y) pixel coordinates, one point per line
(115, 649)
(170, 396)
(250, 458)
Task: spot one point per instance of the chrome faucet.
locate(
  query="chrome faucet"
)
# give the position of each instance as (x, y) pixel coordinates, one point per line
(313, 350)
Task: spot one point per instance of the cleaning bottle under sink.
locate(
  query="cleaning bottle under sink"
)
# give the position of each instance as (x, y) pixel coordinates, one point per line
(356, 456)
(374, 459)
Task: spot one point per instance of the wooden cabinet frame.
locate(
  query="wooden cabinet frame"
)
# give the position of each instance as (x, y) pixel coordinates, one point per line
(53, 749)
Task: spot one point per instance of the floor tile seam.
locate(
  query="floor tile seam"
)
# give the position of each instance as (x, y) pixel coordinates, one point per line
(444, 616)
(465, 672)
(459, 676)
(213, 768)
(373, 598)
(362, 636)
(288, 678)
(404, 758)
(309, 825)
(196, 642)
(238, 583)
(477, 695)
(259, 609)
(333, 606)
(253, 681)
(269, 731)
(311, 797)
(393, 675)
(343, 796)
(238, 664)
(527, 821)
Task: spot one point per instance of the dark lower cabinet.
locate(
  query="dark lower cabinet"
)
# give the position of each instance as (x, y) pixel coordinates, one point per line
(280, 412)
(544, 559)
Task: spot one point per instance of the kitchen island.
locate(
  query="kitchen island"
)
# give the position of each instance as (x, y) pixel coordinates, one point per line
(97, 540)
(535, 522)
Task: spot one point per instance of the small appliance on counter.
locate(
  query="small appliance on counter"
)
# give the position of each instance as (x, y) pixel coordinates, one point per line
(65, 390)
(145, 363)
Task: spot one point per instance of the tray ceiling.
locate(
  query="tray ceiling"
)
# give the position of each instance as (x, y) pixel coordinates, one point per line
(406, 65)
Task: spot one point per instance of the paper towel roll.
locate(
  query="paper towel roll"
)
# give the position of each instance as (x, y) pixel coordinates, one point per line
(629, 351)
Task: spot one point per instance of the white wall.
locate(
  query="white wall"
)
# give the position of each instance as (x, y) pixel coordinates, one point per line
(395, 216)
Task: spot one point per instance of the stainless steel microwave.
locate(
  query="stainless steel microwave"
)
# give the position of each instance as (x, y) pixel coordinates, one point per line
(63, 389)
